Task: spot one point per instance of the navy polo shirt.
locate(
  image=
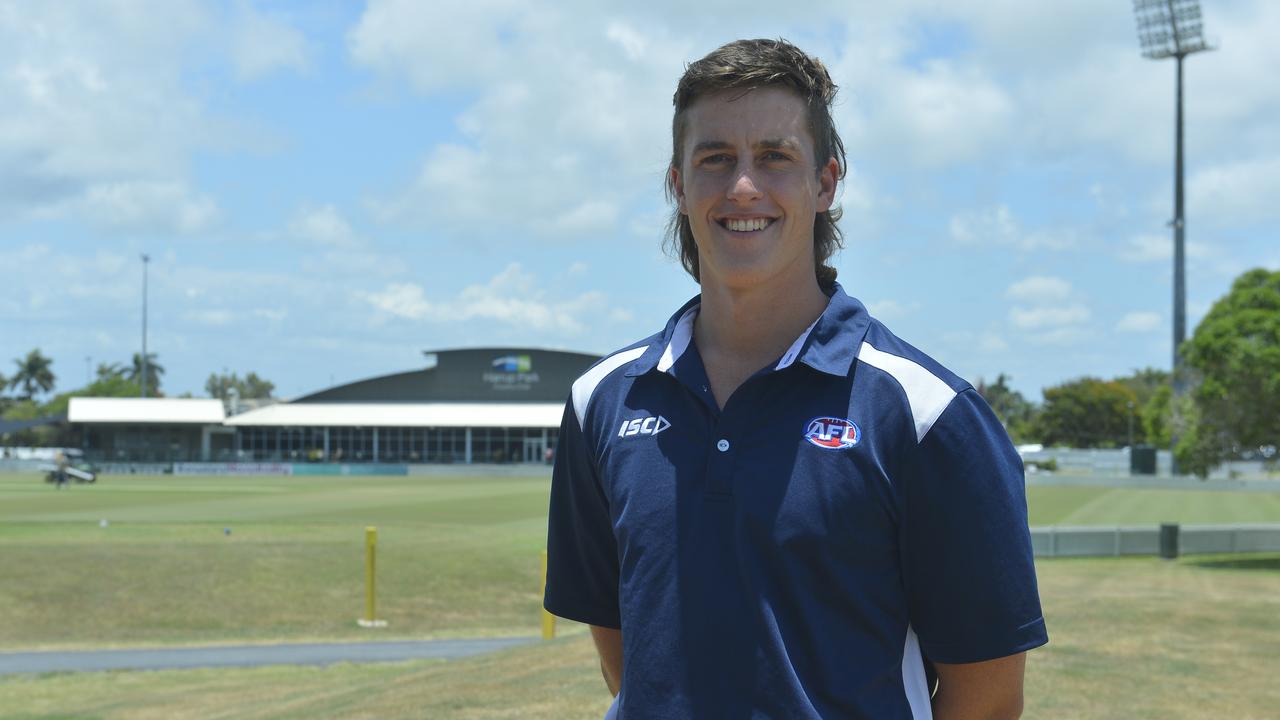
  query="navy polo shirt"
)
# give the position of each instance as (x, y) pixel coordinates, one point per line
(854, 509)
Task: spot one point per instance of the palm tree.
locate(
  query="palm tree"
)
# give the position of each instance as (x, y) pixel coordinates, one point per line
(154, 371)
(33, 374)
(110, 372)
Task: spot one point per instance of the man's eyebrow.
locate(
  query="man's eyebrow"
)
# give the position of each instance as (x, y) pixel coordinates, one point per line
(708, 145)
(778, 144)
(769, 144)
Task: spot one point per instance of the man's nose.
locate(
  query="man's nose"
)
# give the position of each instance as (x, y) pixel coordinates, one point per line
(744, 187)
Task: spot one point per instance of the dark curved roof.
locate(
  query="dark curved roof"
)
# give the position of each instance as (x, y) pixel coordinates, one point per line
(501, 374)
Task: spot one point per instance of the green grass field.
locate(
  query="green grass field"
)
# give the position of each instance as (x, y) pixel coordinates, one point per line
(458, 557)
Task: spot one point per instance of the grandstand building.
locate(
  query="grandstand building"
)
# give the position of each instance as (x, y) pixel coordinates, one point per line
(480, 405)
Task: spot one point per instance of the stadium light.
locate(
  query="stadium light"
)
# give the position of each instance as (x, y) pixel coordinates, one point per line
(1173, 29)
(146, 259)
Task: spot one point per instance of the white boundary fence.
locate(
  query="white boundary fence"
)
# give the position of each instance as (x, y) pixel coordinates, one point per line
(1145, 540)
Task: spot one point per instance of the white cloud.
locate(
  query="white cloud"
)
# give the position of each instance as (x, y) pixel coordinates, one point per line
(939, 114)
(425, 41)
(211, 317)
(1037, 318)
(1049, 307)
(511, 297)
(997, 226)
(1139, 322)
(1157, 248)
(161, 207)
(561, 135)
(993, 225)
(891, 309)
(403, 300)
(1039, 289)
(324, 226)
(272, 314)
(1236, 193)
(263, 43)
(631, 42)
(966, 341)
(586, 218)
(1061, 336)
(98, 122)
(992, 343)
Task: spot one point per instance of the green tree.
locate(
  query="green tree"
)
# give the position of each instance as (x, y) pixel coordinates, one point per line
(1085, 413)
(35, 374)
(221, 385)
(1157, 418)
(108, 385)
(1234, 363)
(1016, 413)
(154, 371)
(107, 372)
(1145, 383)
(256, 387)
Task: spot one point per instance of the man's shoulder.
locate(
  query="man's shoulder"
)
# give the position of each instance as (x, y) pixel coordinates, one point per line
(926, 386)
(881, 341)
(605, 377)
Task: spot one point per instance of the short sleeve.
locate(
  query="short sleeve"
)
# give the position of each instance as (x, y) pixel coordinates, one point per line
(967, 562)
(582, 557)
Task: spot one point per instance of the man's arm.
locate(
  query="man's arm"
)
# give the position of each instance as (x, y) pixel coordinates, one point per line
(609, 646)
(990, 690)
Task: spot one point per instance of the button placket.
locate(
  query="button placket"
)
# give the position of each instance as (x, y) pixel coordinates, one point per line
(722, 457)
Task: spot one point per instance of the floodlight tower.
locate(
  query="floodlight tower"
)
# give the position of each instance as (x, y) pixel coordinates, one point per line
(1173, 29)
(146, 259)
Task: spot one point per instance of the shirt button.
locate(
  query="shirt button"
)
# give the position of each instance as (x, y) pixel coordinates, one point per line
(723, 445)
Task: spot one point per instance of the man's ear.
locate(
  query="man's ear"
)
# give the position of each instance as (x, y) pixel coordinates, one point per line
(678, 184)
(827, 185)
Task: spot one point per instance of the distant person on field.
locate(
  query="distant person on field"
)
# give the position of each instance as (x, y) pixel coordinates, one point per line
(774, 507)
(60, 469)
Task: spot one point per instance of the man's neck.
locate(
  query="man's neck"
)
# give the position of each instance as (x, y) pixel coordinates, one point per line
(739, 331)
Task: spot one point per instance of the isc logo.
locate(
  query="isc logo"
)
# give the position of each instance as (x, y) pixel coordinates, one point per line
(643, 426)
(832, 433)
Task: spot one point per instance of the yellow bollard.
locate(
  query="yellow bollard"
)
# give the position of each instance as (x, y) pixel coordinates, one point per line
(370, 577)
(548, 620)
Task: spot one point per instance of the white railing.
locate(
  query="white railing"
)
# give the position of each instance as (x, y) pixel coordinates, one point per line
(1145, 540)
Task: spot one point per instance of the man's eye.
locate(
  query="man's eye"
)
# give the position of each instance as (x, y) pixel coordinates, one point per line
(717, 159)
(774, 156)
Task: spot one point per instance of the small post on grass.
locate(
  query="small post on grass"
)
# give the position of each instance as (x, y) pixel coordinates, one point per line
(548, 620)
(1169, 541)
(370, 577)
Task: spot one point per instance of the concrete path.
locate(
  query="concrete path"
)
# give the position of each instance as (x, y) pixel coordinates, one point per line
(248, 655)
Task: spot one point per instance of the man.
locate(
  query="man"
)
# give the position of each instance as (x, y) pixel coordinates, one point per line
(775, 508)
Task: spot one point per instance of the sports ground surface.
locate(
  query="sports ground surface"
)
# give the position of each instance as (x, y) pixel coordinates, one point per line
(198, 561)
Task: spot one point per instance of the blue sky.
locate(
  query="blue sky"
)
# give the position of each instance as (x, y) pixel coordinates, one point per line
(327, 189)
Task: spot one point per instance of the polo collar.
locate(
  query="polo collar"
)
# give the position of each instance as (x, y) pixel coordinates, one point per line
(829, 345)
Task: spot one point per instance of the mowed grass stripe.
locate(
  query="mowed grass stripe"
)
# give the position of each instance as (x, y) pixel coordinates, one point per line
(439, 499)
(1127, 506)
(291, 499)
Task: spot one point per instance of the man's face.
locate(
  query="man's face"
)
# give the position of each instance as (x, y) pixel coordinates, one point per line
(750, 187)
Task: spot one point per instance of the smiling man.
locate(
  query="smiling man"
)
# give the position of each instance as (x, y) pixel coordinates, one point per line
(774, 507)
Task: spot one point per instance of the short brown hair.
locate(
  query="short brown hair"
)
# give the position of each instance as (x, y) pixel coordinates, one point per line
(746, 65)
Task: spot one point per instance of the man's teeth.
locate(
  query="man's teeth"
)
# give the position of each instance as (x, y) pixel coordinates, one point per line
(747, 225)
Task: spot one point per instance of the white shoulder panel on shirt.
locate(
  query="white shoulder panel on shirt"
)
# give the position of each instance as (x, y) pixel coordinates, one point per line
(585, 386)
(927, 394)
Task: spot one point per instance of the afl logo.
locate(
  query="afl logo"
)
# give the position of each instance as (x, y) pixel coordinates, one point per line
(832, 433)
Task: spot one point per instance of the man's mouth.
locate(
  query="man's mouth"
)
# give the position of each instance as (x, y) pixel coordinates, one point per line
(746, 224)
